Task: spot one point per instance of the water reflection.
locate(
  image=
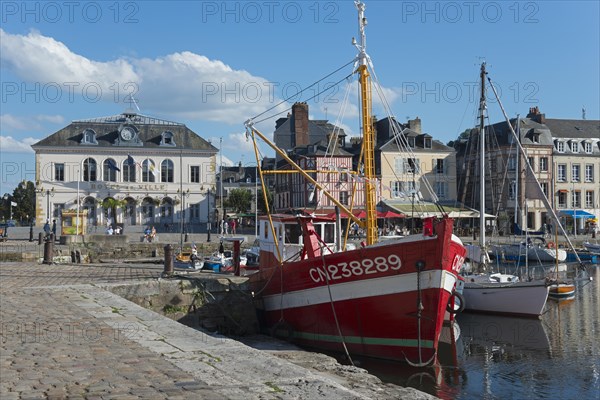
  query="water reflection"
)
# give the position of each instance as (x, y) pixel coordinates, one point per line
(493, 357)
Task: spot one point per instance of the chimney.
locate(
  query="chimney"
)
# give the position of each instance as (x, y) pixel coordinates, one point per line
(415, 125)
(300, 124)
(536, 115)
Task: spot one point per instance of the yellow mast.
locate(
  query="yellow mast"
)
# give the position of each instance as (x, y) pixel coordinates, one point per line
(367, 125)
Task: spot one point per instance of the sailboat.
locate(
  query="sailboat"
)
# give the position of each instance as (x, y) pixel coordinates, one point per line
(384, 299)
(498, 293)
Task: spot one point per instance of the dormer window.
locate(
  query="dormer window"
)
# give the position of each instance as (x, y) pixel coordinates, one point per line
(536, 138)
(167, 139)
(411, 141)
(574, 146)
(560, 146)
(88, 137)
(427, 143)
(588, 147)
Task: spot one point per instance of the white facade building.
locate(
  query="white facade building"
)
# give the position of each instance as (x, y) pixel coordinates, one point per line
(127, 169)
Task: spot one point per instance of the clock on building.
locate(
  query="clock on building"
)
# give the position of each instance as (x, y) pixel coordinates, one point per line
(127, 133)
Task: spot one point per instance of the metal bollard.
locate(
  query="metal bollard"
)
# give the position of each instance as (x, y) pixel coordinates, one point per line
(78, 256)
(48, 252)
(40, 238)
(31, 233)
(186, 238)
(168, 270)
(73, 258)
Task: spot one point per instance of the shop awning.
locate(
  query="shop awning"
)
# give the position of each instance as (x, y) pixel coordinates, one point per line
(577, 214)
(428, 209)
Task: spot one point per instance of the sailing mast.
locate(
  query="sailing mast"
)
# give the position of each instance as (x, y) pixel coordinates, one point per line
(482, 107)
(367, 126)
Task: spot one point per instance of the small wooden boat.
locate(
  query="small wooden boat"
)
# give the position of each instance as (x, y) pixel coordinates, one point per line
(561, 290)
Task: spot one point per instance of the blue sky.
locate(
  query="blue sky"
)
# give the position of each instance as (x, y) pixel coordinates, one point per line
(213, 64)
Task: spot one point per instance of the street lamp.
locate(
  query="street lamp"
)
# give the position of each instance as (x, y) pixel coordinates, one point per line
(183, 194)
(47, 194)
(208, 215)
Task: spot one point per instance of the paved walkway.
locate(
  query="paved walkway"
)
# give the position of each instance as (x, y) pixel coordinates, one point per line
(63, 337)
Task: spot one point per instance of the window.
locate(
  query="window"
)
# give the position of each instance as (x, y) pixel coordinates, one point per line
(575, 172)
(544, 186)
(439, 167)
(88, 137)
(195, 174)
(343, 176)
(560, 146)
(89, 170)
(59, 172)
(148, 171)
(576, 199)
(562, 173)
(427, 143)
(589, 172)
(536, 138)
(57, 211)
(588, 147)
(344, 198)
(575, 146)
(195, 212)
(512, 190)
(493, 165)
(167, 139)
(589, 199)
(166, 171)
(544, 164)
(412, 166)
(411, 141)
(512, 163)
(441, 189)
(128, 172)
(531, 161)
(562, 199)
(399, 165)
(396, 189)
(109, 169)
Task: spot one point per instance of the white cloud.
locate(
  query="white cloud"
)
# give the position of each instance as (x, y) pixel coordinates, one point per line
(9, 122)
(181, 84)
(9, 144)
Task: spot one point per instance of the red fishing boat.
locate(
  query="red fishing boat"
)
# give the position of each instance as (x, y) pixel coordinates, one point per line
(384, 299)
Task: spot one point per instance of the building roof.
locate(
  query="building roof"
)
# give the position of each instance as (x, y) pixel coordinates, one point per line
(574, 128)
(317, 130)
(148, 134)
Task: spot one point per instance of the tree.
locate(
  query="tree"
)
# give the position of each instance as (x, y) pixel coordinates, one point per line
(24, 196)
(261, 201)
(464, 135)
(239, 200)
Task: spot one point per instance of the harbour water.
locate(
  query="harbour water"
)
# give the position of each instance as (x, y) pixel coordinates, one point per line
(555, 357)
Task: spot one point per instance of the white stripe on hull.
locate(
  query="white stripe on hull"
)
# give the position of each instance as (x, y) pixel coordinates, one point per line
(364, 288)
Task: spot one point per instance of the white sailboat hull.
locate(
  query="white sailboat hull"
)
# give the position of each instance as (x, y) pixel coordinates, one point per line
(517, 298)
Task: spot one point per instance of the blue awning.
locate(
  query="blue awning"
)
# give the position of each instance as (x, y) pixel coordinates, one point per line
(577, 214)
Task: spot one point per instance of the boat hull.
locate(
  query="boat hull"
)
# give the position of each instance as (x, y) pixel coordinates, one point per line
(561, 290)
(518, 252)
(525, 299)
(366, 299)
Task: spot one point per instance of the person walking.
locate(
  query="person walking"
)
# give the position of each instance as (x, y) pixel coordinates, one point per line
(54, 228)
(47, 228)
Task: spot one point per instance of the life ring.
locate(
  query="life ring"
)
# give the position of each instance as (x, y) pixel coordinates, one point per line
(450, 307)
(551, 245)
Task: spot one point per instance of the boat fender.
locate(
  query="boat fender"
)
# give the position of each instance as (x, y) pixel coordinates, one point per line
(461, 303)
(551, 245)
(283, 330)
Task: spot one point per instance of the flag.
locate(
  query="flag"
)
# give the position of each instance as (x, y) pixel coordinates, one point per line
(152, 168)
(130, 161)
(111, 165)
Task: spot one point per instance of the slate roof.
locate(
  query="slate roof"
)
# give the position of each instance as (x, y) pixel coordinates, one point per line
(317, 130)
(574, 128)
(319, 149)
(149, 131)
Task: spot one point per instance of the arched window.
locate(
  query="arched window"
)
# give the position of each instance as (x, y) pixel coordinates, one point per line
(109, 170)
(128, 170)
(166, 171)
(88, 137)
(167, 139)
(148, 171)
(89, 170)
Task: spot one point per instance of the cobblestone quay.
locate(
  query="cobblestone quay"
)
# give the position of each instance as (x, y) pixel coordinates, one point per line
(64, 337)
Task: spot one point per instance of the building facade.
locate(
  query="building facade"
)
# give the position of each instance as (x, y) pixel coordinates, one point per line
(127, 169)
